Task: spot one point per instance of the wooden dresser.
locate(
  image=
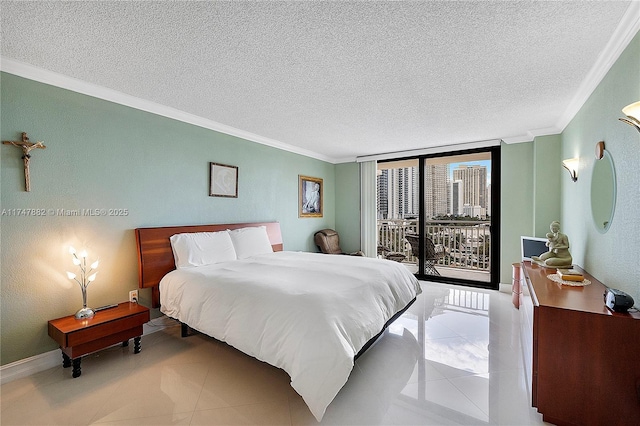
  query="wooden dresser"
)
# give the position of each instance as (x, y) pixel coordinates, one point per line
(582, 360)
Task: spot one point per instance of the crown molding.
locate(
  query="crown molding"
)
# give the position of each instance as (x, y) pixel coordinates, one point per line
(622, 36)
(22, 69)
(345, 160)
(620, 39)
(518, 139)
(532, 134)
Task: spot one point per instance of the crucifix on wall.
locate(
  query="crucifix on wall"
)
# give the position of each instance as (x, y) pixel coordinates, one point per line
(26, 147)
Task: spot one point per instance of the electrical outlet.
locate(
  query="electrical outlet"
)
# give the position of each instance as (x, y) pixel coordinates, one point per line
(133, 296)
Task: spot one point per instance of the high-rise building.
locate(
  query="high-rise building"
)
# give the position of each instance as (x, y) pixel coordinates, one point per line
(398, 195)
(474, 183)
(394, 190)
(383, 193)
(466, 194)
(457, 199)
(389, 192)
(474, 211)
(411, 195)
(436, 190)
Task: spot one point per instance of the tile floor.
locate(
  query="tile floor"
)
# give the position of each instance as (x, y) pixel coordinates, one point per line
(453, 358)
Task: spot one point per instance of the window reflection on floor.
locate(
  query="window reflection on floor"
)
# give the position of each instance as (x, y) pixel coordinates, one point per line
(452, 378)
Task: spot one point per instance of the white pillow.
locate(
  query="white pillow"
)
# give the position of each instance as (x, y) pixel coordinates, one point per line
(250, 241)
(202, 248)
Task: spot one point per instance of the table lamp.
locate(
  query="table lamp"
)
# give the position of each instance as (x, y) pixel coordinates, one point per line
(84, 280)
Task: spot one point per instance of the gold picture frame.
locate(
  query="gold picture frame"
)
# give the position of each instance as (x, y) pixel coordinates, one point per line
(310, 196)
(223, 180)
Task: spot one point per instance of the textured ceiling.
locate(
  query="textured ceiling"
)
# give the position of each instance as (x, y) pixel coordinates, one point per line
(340, 79)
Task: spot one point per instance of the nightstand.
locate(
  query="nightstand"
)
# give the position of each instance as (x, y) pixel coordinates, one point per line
(108, 327)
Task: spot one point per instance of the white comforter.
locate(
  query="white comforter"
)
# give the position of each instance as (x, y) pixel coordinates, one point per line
(307, 313)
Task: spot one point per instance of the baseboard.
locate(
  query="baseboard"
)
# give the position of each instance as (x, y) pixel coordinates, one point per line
(37, 363)
(28, 366)
(505, 288)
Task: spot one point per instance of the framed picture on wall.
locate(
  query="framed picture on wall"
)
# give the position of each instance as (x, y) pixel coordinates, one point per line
(223, 180)
(310, 196)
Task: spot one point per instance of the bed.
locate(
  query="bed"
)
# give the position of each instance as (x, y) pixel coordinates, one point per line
(309, 314)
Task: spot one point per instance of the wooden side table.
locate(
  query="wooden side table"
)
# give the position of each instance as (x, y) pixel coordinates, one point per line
(108, 327)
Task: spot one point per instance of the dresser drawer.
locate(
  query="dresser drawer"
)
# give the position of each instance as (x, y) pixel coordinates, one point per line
(105, 329)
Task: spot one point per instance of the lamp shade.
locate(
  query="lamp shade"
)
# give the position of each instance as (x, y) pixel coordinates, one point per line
(632, 110)
(571, 164)
(632, 115)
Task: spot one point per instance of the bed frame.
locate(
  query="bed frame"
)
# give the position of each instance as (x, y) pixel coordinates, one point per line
(155, 260)
(155, 257)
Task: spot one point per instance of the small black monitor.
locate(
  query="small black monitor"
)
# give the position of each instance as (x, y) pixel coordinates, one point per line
(532, 246)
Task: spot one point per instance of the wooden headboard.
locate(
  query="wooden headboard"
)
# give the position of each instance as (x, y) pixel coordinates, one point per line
(155, 257)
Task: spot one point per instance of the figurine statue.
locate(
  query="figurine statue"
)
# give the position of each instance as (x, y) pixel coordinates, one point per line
(558, 255)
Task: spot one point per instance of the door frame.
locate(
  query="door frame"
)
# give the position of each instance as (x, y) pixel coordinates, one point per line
(494, 280)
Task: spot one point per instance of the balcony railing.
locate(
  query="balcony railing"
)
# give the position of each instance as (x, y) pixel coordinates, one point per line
(466, 244)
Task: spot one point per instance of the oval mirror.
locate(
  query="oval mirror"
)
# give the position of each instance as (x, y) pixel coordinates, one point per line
(603, 192)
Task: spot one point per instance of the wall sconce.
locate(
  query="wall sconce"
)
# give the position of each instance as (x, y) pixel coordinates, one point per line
(633, 115)
(571, 164)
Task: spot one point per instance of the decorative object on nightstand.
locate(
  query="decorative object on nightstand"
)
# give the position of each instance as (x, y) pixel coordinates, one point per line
(84, 280)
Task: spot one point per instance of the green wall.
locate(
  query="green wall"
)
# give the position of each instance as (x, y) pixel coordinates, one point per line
(348, 203)
(536, 189)
(516, 198)
(530, 195)
(102, 155)
(547, 182)
(611, 257)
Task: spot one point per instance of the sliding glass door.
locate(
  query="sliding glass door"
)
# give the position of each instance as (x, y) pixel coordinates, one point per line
(439, 215)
